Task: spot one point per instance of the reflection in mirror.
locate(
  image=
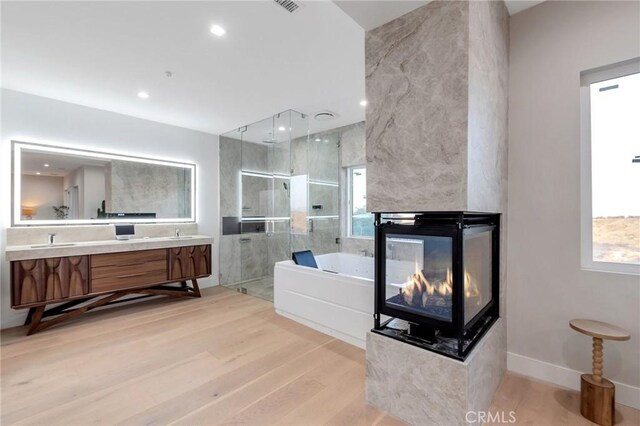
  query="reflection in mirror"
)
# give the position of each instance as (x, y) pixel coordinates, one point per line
(59, 185)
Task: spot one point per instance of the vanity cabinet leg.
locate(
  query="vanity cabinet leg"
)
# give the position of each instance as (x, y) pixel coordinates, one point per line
(196, 289)
(27, 320)
(35, 319)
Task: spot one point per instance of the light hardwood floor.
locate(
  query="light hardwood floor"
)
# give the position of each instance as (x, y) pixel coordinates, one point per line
(226, 358)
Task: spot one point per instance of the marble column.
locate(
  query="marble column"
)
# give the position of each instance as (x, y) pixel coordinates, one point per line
(436, 140)
(436, 128)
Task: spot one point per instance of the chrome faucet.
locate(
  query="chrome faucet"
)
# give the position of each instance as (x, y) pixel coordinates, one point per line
(51, 238)
(366, 253)
(178, 233)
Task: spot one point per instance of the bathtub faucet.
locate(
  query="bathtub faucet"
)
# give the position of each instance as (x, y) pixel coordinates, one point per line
(366, 253)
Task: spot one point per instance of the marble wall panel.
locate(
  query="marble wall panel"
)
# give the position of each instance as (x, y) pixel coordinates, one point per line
(230, 177)
(324, 156)
(149, 188)
(255, 157)
(352, 145)
(277, 248)
(230, 262)
(257, 196)
(299, 155)
(488, 78)
(416, 126)
(357, 245)
(322, 236)
(326, 196)
(253, 256)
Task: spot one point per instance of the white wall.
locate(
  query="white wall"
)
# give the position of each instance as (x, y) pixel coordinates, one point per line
(94, 190)
(550, 44)
(32, 118)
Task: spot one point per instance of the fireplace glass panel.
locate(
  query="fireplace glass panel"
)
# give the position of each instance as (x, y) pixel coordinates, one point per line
(419, 275)
(477, 273)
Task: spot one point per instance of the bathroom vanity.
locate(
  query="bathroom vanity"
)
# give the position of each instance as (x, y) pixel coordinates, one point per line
(97, 273)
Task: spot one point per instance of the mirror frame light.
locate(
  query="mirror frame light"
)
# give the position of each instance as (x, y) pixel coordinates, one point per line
(16, 219)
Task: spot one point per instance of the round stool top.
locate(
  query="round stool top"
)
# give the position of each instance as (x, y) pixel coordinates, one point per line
(599, 329)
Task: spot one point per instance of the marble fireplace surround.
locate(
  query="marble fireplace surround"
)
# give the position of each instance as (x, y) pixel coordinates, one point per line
(436, 140)
(424, 388)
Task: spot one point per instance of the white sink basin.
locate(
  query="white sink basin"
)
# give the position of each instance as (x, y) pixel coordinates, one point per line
(54, 245)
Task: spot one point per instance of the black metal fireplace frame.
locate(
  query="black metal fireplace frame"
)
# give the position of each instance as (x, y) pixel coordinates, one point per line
(448, 224)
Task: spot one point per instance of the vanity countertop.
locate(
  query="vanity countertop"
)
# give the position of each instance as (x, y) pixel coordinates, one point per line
(40, 251)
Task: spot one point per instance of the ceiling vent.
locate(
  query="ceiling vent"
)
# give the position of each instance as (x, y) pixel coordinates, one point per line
(288, 5)
(324, 116)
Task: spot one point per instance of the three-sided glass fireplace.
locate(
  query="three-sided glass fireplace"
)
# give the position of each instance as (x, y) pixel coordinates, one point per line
(437, 277)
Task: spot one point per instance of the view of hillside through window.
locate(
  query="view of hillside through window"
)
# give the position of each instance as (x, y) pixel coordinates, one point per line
(615, 169)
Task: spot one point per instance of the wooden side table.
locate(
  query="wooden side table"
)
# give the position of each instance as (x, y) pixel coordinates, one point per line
(597, 394)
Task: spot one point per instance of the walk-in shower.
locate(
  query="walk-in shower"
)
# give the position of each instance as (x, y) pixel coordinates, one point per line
(279, 193)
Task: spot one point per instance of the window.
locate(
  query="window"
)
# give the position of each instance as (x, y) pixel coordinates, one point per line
(611, 168)
(359, 221)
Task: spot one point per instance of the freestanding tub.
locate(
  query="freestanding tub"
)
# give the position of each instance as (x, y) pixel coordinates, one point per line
(338, 303)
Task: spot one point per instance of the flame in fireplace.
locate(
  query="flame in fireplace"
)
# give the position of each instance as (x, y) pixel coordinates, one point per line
(417, 289)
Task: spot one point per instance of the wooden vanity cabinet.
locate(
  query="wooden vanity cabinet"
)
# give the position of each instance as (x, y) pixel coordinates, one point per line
(118, 271)
(39, 281)
(189, 262)
(76, 280)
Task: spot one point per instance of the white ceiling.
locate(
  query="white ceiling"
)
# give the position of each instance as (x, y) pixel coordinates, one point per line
(370, 14)
(32, 162)
(101, 53)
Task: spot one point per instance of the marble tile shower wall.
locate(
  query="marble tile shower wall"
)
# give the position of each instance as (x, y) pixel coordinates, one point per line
(250, 256)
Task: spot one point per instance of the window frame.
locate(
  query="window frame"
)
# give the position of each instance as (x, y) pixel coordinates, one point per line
(347, 222)
(587, 78)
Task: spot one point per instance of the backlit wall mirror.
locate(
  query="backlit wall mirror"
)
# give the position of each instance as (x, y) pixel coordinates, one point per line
(55, 186)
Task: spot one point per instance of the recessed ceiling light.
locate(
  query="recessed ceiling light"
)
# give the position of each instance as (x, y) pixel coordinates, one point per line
(217, 30)
(282, 128)
(46, 165)
(143, 95)
(37, 173)
(318, 139)
(363, 102)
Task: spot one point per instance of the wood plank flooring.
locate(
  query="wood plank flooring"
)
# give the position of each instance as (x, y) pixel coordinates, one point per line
(226, 358)
(537, 403)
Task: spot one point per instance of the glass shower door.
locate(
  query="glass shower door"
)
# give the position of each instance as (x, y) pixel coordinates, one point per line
(266, 189)
(324, 192)
(278, 236)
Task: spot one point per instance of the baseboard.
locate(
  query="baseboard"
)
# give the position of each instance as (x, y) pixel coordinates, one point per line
(566, 377)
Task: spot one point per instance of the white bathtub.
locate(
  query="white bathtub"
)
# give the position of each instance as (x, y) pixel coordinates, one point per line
(339, 304)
